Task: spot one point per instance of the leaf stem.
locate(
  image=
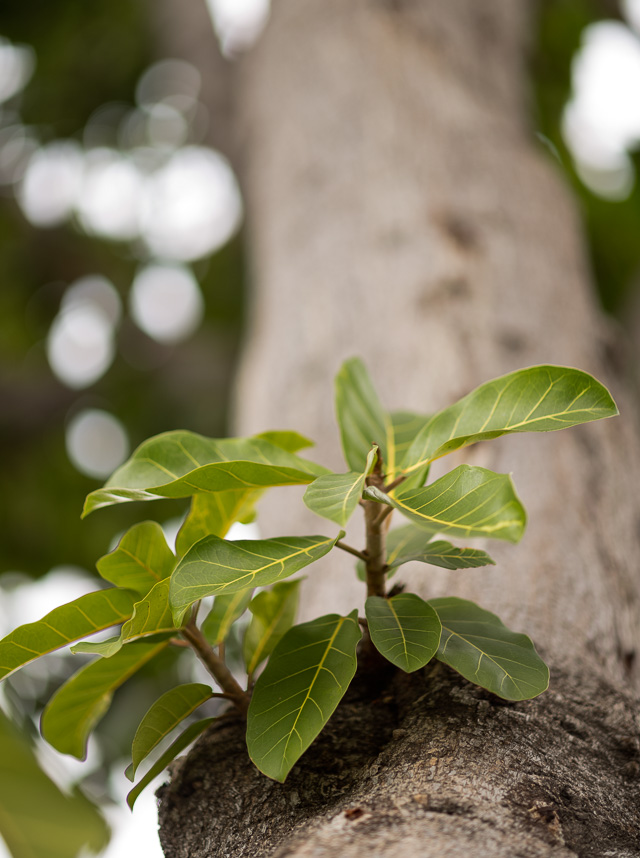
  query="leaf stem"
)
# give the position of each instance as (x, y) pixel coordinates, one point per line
(216, 667)
(360, 554)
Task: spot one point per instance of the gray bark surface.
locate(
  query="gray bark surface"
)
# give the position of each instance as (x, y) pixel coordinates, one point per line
(402, 210)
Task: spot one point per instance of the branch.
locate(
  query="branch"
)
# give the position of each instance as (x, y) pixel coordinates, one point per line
(360, 554)
(216, 667)
(394, 484)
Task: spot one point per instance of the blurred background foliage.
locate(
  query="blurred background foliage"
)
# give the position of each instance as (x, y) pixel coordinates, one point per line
(122, 273)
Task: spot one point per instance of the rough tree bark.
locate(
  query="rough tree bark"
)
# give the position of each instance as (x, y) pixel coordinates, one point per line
(402, 210)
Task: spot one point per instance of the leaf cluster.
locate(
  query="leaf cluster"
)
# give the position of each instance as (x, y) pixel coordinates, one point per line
(155, 597)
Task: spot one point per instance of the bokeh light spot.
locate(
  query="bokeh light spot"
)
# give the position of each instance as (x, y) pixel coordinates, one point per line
(51, 182)
(601, 122)
(96, 442)
(110, 194)
(17, 63)
(192, 206)
(80, 345)
(238, 23)
(95, 291)
(165, 80)
(166, 302)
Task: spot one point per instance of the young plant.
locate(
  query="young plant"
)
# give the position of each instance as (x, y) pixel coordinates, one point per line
(156, 595)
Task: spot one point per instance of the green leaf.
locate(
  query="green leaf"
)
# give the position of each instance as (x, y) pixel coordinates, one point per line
(37, 820)
(151, 616)
(537, 399)
(405, 629)
(215, 566)
(225, 611)
(180, 464)
(165, 714)
(479, 646)
(336, 496)
(84, 616)
(105, 648)
(184, 740)
(406, 426)
(303, 682)
(141, 559)
(362, 420)
(274, 612)
(467, 502)
(406, 544)
(214, 514)
(290, 441)
(80, 703)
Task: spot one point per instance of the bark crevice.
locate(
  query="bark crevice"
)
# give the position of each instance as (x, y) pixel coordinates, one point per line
(427, 755)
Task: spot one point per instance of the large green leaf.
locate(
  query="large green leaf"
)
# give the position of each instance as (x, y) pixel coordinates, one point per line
(180, 464)
(362, 420)
(479, 646)
(214, 514)
(537, 399)
(80, 703)
(467, 502)
(215, 566)
(141, 559)
(225, 611)
(163, 716)
(405, 629)
(151, 616)
(303, 682)
(190, 735)
(37, 820)
(335, 496)
(274, 612)
(63, 625)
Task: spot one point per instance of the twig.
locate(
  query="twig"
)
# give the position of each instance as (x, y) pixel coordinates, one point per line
(384, 514)
(360, 554)
(216, 666)
(394, 484)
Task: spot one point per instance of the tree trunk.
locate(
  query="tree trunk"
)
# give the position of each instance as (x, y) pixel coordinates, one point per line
(401, 209)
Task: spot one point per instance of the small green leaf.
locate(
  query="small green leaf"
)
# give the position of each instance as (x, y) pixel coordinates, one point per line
(141, 559)
(225, 611)
(336, 496)
(537, 399)
(467, 502)
(184, 740)
(306, 677)
(165, 714)
(80, 703)
(105, 648)
(410, 543)
(84, 616)
(37, 819)
(274, 612)
(214, 514)
(362, 420)
(287, 440)
(479, 646)
(215, 566)
(180, 464)
(405, 629)
(151, 616)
